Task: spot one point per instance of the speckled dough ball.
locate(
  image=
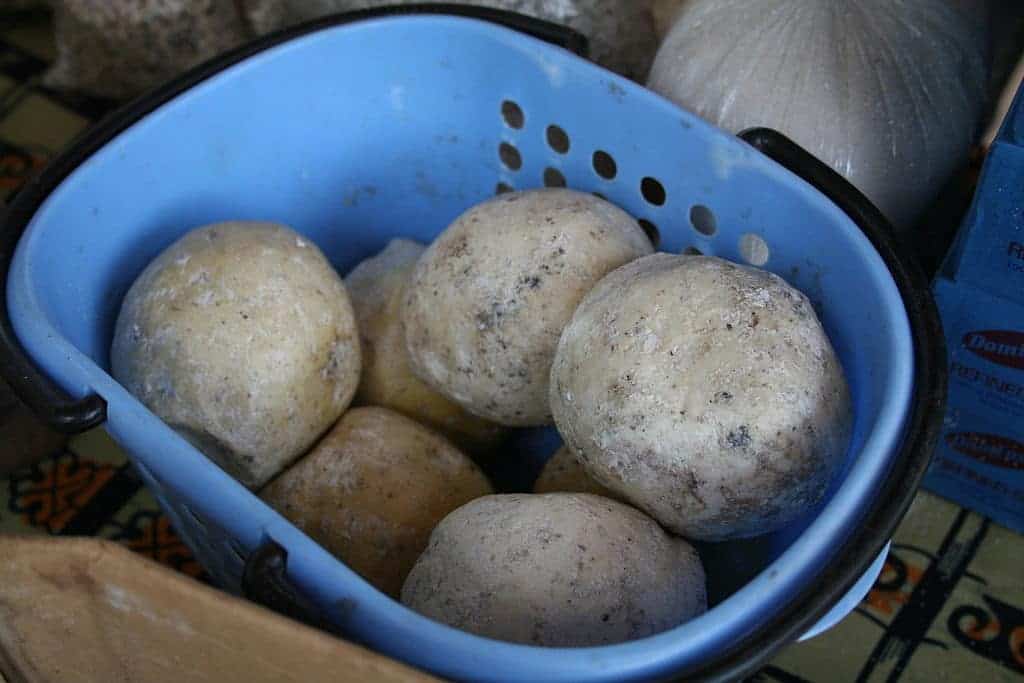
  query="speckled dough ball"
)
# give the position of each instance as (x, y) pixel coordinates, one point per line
(376, 287)
(372, 491)
(489, 298)
(705, 393)
(241, 337)
(559, 570)
(564, 473)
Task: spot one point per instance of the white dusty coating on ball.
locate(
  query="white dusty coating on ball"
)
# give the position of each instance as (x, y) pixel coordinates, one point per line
(489, 298)
(240, 336)
(557, 570)
(704, 392)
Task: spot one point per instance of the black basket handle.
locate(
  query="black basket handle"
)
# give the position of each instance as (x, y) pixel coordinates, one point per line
(42, 396)
(264, 581)
(843, 194)
(71, 416)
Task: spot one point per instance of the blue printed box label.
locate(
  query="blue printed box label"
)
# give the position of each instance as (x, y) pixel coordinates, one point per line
(1005, 347)
(990, 449)
(973, 380)
(985, 340)
(980, 464)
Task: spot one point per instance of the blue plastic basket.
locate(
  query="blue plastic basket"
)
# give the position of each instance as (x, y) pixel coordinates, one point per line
(355, 133)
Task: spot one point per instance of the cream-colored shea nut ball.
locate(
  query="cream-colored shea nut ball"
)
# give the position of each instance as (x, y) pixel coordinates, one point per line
(489, 298)
(241, 337)
(373, 489)
(558, 570)
(704, 392)
(564, 473)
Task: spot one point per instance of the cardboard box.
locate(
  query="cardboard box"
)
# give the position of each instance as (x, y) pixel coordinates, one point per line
(979, 461)
(982, 467)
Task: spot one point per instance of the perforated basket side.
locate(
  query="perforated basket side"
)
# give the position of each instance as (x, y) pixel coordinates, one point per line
(218, 552)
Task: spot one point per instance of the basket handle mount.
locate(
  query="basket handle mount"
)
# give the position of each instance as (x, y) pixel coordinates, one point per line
(795, 158)
(264, 582)
(50, 403)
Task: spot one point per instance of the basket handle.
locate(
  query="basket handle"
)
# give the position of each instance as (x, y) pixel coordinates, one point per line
(843, 194)
(264, 581)
(53, 406)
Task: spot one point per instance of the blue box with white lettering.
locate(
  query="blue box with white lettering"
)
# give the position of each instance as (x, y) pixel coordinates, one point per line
(985, 342)
(979, 461)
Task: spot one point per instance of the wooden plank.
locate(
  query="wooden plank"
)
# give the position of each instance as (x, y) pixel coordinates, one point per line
(86, 610)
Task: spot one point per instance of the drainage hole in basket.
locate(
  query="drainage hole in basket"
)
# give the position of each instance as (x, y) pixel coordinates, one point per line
(604, 165)
(553, 177)
(703, 220)
(653, 191)
(503, 188)
(693, 251)
(753, 249)
(510, 156)
(513, 114)
(652, 231)
(195, 518)
(558, 139)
